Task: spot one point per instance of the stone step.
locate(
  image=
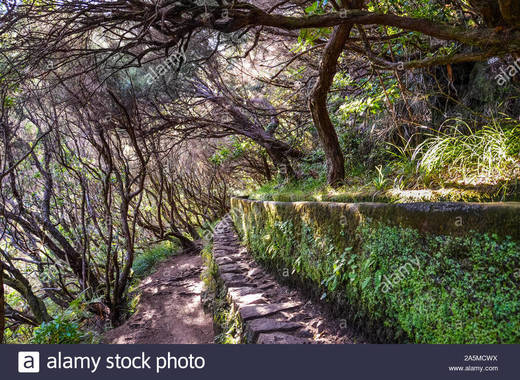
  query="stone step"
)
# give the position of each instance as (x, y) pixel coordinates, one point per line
(266, 325)
(233, 268)
(250, 299)
(256, 311)
(269, 314)
(236, 292)
(280, 338)
(233, 279)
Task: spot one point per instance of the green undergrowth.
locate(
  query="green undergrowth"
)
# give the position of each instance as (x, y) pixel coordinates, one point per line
(146, 261)
(460, 161)
(226, 320)
(393, 283)
(70, 326)
(57, 331)
(317, 191)
(471, 153)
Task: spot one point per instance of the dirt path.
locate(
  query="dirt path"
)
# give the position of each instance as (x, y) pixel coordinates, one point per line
(170, 310)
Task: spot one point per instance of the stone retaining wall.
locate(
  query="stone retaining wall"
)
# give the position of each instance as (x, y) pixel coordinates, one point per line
(450, 218)
(360, 257)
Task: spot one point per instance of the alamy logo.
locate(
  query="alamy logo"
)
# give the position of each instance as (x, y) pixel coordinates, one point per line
(28, 362)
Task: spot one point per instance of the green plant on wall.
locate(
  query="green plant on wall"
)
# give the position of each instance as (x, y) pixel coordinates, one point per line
(395, 282)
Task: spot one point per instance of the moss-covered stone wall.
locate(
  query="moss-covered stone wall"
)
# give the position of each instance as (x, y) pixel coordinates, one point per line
(425, 273)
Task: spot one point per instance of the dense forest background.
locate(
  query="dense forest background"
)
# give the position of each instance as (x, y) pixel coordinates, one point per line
(126, 125)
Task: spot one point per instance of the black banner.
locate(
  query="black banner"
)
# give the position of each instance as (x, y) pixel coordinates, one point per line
(317, 362)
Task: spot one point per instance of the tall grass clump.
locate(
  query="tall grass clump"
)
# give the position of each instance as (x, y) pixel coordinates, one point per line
(458, 152)
(145, 261)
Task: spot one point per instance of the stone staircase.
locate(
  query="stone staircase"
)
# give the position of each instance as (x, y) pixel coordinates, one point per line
(271, 313)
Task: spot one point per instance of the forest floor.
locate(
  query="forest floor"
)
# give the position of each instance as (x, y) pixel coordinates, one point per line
(170, 309)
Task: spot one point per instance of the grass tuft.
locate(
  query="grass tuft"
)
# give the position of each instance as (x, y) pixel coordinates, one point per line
(472, 155)
(146, 261)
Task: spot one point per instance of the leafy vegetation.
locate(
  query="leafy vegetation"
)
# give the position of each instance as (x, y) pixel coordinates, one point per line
(393, 282)
(57, 331)
(466, 290)
(146, 261)
(459, 162)
(462, 153)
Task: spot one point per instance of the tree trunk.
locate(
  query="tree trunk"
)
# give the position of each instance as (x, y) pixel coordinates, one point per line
(318, 105)
(510, 10)
(498, 12)
(36, 305)
(282, 163)
(267, 170)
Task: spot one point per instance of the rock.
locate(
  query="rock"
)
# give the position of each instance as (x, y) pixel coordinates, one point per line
(233, 257)
(320, 327)
(255, 273)
(264, 325)
(269, 312)
(187, 293)
(279, 338)
(267, 285)
(255, 311)
(232, 268)
(223, 260)
(231, 279)
(225, 250)
(235, 292)
(249, 299)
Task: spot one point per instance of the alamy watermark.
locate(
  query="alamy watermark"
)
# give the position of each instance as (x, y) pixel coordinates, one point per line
(400, 274)
(507, 73)
(173, 62)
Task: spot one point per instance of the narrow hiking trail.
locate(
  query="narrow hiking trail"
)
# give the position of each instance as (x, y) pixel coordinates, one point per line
(170, 310)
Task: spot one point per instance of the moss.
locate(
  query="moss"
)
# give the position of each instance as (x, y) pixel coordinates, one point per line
(437, 218)
(361, 258)
(227, 324)
(463, 290)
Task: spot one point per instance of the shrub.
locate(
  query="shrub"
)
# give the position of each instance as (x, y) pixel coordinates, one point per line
(57, 331)
(363, 152)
